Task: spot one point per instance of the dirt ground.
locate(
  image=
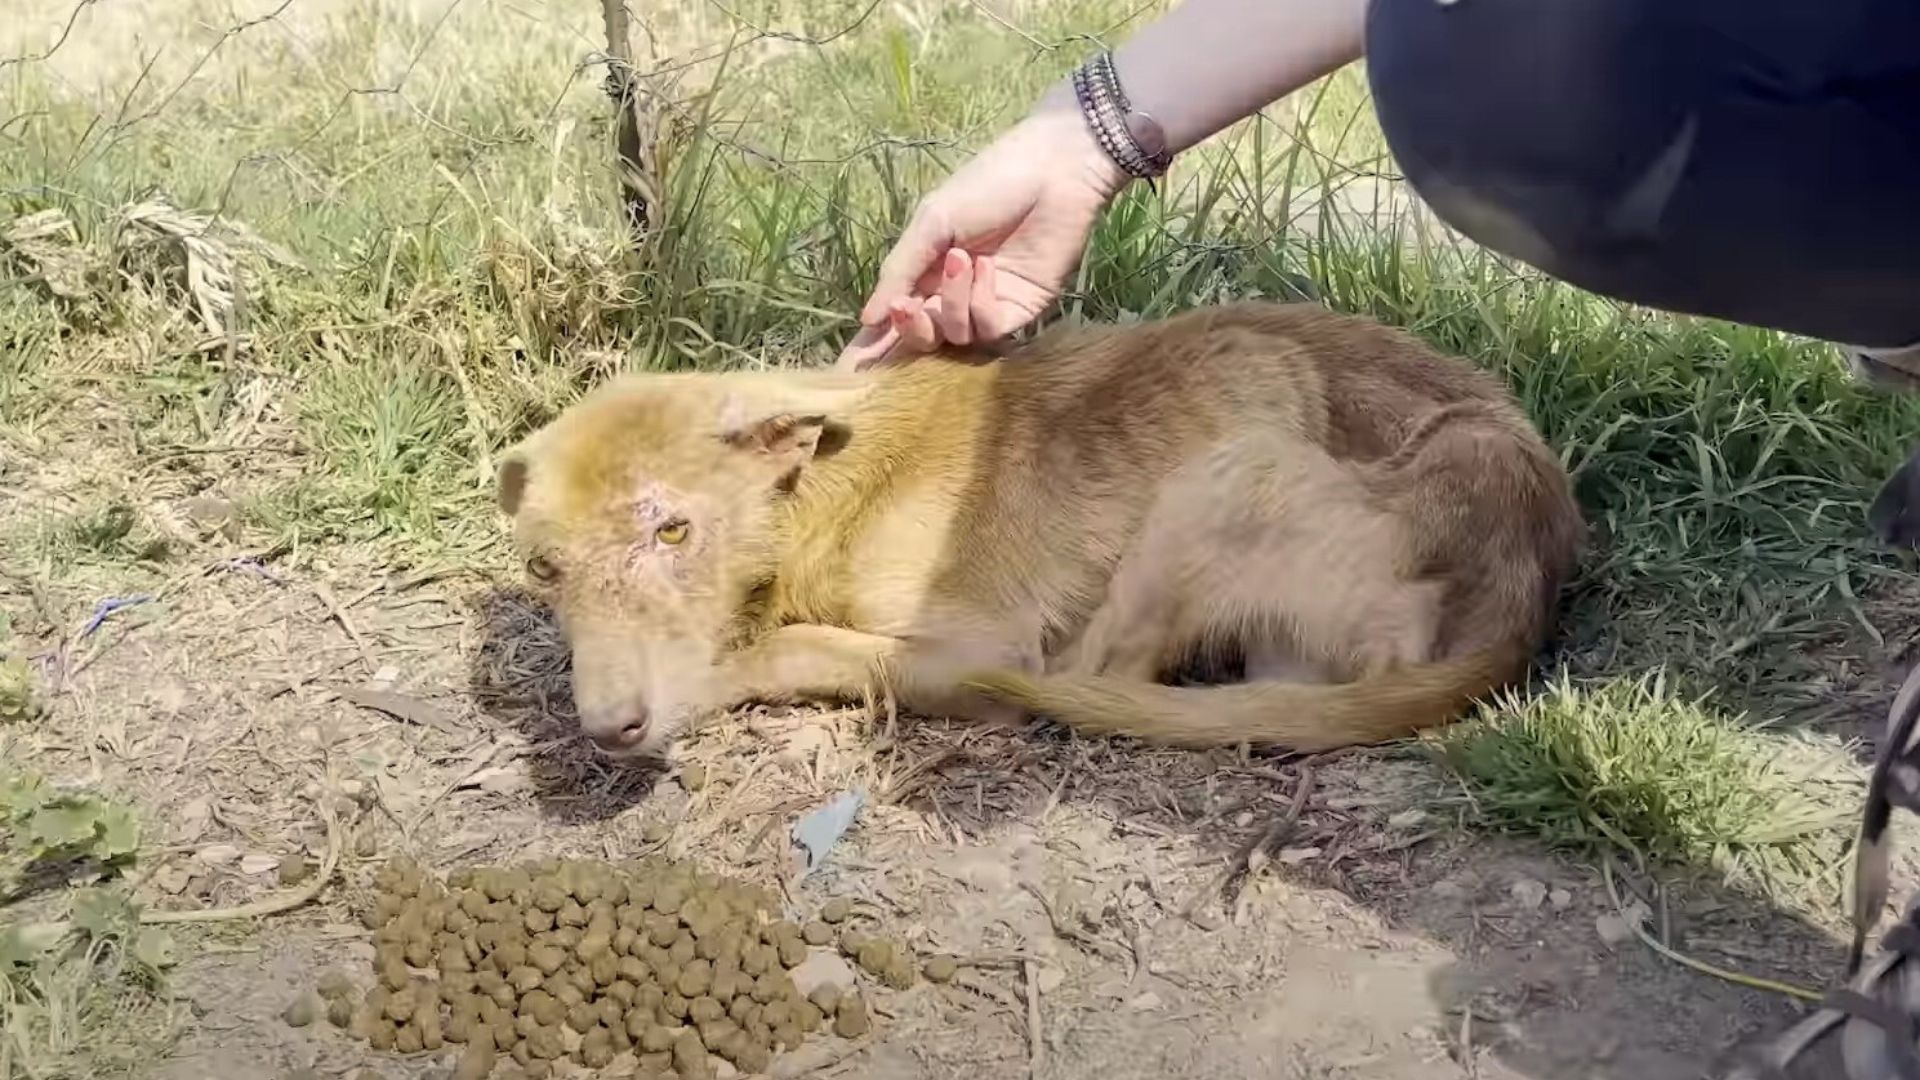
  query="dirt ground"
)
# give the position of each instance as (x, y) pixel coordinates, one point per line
(1082, 882)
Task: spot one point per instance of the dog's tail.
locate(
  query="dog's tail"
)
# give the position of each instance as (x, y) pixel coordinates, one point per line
(1297, 716)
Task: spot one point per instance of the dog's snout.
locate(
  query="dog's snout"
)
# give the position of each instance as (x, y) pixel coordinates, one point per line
(619, 732)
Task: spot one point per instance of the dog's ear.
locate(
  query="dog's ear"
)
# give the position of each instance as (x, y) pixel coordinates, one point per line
(789, 441)
(1894, 515)
(510, 482)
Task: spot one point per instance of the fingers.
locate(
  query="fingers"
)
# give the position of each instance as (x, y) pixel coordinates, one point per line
(927, 238)
(870, 346)
(983, 302)
(955, 317)
(913, 321)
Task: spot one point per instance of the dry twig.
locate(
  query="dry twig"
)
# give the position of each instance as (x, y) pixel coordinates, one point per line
(272, 905)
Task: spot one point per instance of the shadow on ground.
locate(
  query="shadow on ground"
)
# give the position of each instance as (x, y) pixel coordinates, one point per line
(520, 677)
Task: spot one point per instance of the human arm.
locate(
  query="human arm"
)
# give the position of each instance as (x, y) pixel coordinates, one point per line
(988, 250)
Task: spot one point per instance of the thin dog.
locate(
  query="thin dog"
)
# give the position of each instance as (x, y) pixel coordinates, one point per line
(1345, 534)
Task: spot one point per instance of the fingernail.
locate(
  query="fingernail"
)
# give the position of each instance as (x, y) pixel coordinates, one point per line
(956, 263)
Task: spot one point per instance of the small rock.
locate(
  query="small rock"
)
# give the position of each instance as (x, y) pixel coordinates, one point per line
(1048, 978)
(822, 967)
(292, 869)
(301, 1012)
(1208, 918)
(1294, 856)
(1528, 893)
(1560, 899)
(942, 969)
(1146, 1002)
(1615, 928)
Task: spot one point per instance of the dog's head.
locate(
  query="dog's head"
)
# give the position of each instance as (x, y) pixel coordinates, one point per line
(646, 515)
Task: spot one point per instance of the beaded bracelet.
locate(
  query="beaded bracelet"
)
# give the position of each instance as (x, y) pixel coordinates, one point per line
(1130, 137)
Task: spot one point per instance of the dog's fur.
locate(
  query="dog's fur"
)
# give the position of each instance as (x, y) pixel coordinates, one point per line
(1372, 532)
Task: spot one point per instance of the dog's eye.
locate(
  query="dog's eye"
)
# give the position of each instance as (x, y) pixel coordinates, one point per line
(673, 532)
(542, 570)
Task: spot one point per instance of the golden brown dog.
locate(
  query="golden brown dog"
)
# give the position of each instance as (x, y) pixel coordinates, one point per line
(1373, 533)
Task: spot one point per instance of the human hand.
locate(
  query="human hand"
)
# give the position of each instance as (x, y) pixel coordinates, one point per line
(989, 249)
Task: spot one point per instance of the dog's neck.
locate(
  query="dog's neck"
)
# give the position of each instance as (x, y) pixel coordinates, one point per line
(908, 418)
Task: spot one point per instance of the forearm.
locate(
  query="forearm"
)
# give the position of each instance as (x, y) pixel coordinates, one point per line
(1208, 63)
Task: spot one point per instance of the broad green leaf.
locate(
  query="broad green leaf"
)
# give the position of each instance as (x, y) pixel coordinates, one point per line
(20, 795)
(102, 913)
(58, 827)
(119, 833)
(153, 947)
(22, 945)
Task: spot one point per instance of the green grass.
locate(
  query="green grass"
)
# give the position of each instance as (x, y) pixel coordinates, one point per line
(1629, 764)
(447, 187)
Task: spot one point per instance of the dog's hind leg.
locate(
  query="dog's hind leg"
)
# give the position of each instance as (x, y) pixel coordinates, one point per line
(1270, 545)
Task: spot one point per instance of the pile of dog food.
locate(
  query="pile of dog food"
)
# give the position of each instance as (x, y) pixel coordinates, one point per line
(586, 961)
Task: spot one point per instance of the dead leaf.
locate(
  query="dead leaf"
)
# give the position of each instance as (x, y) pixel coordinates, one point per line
(171, 879)
(409, 710)
(194, 817)
(258, 863)
(1294, 856)
(499, 780)
(217, 854)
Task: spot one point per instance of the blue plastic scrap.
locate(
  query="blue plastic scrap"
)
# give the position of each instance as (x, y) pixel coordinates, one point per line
(104, 610)
(819, 831)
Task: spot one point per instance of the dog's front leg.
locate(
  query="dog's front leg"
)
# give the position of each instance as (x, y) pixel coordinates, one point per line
(806, 662)
(809, 662)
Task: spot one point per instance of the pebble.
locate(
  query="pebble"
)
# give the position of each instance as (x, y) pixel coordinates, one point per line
(292, 870)
(301, 1012)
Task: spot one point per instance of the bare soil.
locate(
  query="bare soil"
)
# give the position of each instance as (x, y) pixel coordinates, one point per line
(1085, 884)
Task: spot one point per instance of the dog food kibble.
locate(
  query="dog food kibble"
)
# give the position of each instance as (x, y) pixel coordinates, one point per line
(476, 1063)
(826, 998)
(573, 964)
(875, 956)
(851, 1021)
(941, 969)
(693, 777)
(334, 983)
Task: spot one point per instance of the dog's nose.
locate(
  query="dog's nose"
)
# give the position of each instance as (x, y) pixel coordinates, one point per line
(620, 732)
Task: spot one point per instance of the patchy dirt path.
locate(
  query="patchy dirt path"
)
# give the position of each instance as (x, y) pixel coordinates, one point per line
(1082, 881)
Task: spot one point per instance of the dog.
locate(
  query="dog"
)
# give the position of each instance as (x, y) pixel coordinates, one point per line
(1353, 535)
